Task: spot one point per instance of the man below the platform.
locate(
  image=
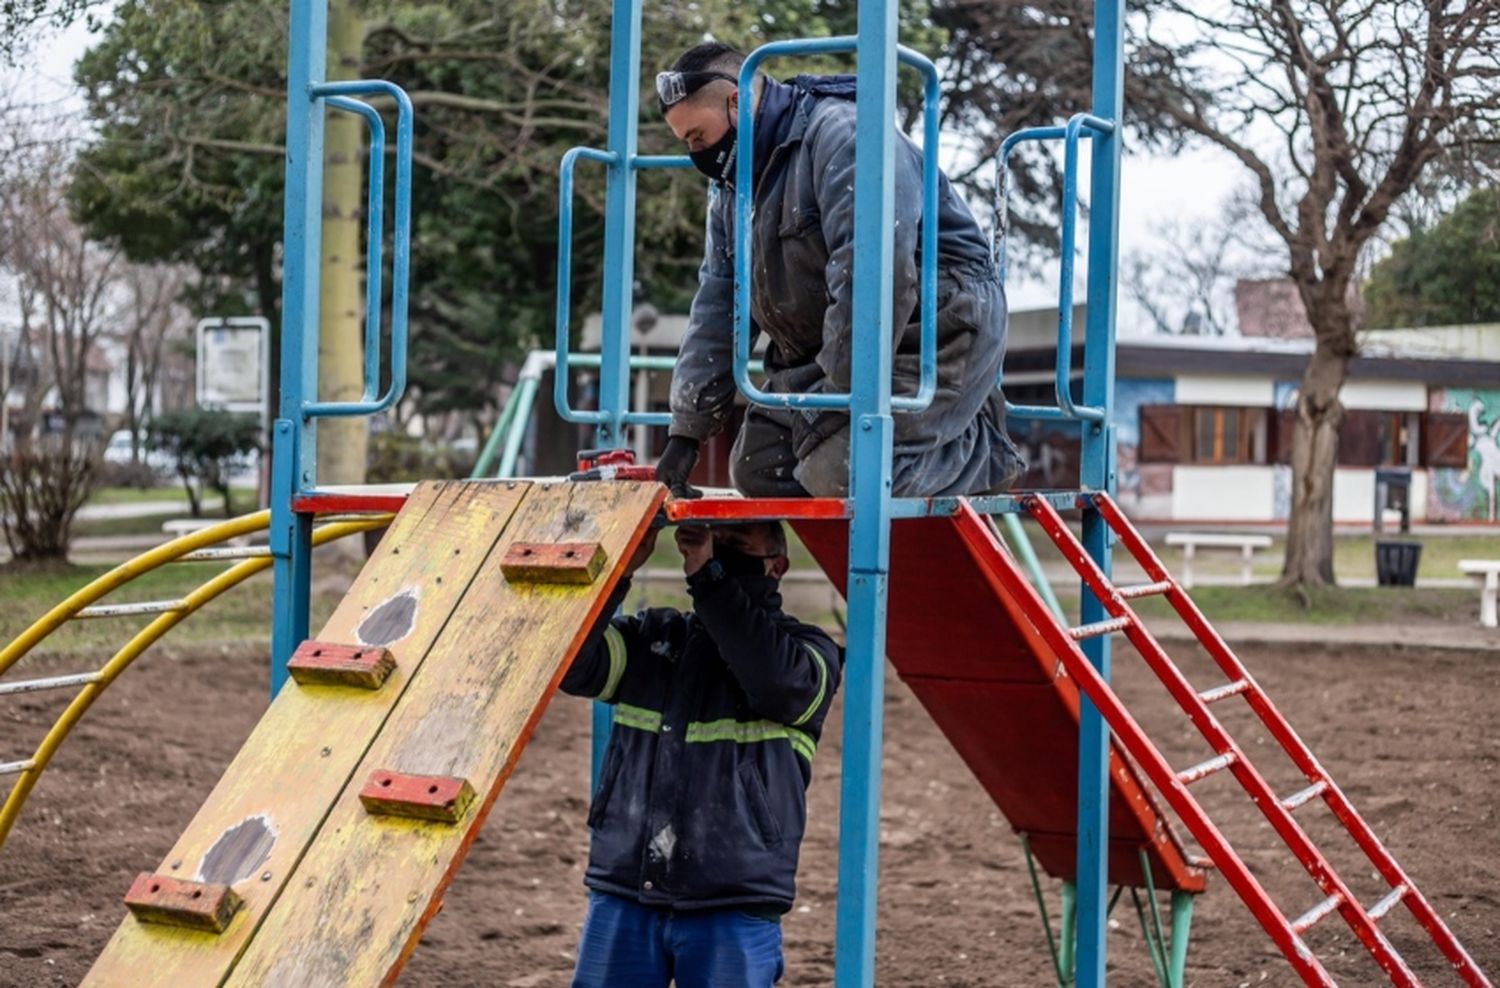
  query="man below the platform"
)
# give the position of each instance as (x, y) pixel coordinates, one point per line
(696, 824)
(801, 298)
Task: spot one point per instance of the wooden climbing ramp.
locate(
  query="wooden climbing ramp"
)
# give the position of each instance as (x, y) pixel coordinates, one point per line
(326, 847)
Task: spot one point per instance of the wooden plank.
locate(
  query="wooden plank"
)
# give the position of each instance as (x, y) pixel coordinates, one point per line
(262, 815)
(368, 885)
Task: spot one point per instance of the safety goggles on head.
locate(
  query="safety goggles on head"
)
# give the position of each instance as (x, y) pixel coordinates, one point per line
(674, 87)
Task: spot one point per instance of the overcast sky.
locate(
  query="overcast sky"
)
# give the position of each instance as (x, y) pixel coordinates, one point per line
(1187, 186)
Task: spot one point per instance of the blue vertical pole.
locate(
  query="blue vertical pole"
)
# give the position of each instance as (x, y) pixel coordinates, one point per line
(619, 255)
(294, 448)
(1098, 473)
(870, 487)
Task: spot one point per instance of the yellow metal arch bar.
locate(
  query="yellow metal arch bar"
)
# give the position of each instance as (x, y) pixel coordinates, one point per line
(124, 573)
(142, 640)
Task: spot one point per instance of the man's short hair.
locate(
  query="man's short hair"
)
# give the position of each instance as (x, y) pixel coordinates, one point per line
(697, 69)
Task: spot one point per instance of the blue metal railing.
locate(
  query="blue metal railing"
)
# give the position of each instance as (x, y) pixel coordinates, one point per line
(336, 95)
(1080, 125)
(564, 316)
(744, 192)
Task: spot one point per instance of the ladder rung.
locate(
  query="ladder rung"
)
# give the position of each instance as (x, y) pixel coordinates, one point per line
(1304, 922)
(51, 683)
(1224, 692)
(1098, 628)
(125, 610)
(1144, 589)
(15, 768)
(1392, 897)
(1190, 775)
(1296, 799)
(226, 552)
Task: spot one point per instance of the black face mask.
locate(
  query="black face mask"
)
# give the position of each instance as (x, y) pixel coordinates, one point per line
(749, 572)
(738, 564)
(717, 160)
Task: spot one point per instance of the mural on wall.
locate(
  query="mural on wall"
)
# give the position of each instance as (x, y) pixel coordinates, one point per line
(1473, 493)
(1144, 489)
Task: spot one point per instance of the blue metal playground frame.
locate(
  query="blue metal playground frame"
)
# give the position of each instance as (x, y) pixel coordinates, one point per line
(869, 402)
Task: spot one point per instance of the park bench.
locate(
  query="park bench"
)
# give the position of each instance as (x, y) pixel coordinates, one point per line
(1487, 573)
(1190, 541)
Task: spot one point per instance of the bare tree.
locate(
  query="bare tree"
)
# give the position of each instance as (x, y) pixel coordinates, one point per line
(149, 316)
(64, 285)
(1337, 109)
(1186, 283)
(72, 279)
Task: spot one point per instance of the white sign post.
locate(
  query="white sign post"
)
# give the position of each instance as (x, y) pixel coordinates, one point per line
(234, 367)
(234, 373)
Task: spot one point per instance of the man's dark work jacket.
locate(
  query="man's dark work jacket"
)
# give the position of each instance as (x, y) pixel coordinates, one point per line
(801, 294)
(702, 799)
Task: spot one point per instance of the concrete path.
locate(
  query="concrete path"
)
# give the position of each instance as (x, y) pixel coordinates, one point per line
(1439, 636)
(131, 509)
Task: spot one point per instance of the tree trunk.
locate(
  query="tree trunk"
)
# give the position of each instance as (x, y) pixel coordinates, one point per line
(1309, 535)
(342, 441)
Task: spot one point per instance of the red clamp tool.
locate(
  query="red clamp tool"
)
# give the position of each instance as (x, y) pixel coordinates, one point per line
(610, 464)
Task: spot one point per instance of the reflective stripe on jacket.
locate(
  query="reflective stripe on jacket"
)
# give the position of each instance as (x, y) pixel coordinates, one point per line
(702, 799)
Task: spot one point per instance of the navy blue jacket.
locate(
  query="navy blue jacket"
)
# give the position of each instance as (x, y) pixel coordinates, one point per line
(702, 799)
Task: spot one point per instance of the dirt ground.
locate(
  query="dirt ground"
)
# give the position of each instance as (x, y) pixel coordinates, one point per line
(1413, 736)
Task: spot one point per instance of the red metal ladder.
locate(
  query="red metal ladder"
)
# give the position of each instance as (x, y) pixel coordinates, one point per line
(1173, 785)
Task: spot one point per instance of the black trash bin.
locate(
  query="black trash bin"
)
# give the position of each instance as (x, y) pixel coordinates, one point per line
(1396, 563)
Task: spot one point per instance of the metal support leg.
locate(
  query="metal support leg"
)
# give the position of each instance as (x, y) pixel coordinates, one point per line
(1182, 925)
(870, 485)
(1097, 472)
(1068, 955)
(294, 440)
(291, 548)
(1093, 783)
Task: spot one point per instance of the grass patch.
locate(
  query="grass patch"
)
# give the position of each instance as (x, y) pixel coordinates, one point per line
(242, 614)
(136, 495)
(1327, 605)
(163, 492)
(1353, 555)
(134, 525)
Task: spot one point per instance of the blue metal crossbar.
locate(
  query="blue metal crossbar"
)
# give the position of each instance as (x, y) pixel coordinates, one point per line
(743, 198)
(1079, 126)
(336, 95)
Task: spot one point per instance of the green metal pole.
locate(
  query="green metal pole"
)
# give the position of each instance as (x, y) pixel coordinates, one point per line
(1069, 934)
(1020, 543)
(502, 425)
(1182, 924)
(527, 395)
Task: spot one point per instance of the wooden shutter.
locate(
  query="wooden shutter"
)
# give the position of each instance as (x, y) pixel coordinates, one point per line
(1161, 434)
(1359, 438)
(1445, 440)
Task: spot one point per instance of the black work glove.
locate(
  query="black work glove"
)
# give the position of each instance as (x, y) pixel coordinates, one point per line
(810, 426)
(676, 464)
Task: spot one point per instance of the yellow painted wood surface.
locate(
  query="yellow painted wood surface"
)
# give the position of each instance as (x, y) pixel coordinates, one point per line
(367, 886)
(304, 751)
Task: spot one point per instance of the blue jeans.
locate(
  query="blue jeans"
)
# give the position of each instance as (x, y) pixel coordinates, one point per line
(627, 945)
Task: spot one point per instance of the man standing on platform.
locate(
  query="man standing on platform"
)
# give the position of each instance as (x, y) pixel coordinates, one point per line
(800, 297)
